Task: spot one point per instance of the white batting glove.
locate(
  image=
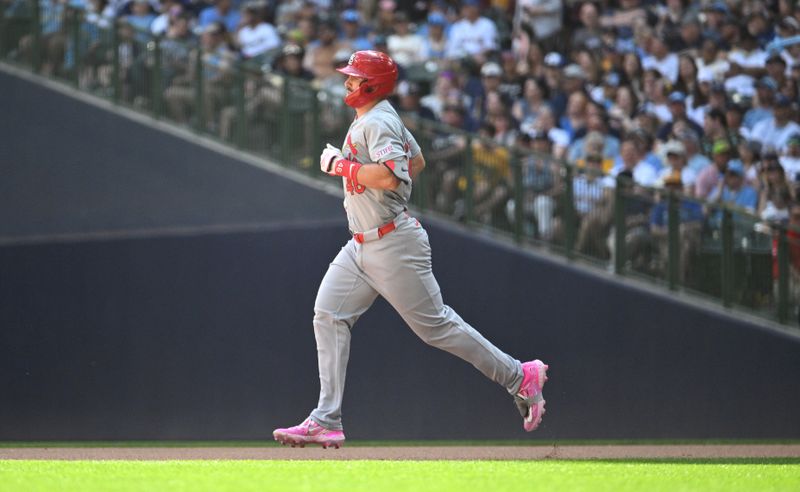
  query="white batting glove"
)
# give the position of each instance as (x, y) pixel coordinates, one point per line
(329, 155)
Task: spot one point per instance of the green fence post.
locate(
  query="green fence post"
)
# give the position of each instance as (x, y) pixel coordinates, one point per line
(157, 91)
(73, 20)
(241, 114)
(199, 92)
(469, 169)
(727, 257)
(316, 134)
(568, 207)
(619, 225)
(116, 90)
(285, 127)
(36, 55)
(519, 196)
(673, 241)
(783, 275)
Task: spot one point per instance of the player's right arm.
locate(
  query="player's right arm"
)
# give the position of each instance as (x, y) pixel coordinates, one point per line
(372, 175)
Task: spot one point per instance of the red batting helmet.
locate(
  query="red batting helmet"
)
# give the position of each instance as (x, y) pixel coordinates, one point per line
(380, 73)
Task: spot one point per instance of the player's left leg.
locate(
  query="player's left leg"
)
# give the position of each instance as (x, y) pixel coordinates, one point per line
(399, 266)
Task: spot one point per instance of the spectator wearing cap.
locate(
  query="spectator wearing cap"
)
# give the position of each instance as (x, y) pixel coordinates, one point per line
(690, 217)
(774, 132)
(776, 68)
(763, 102)
(691, 143)
(734, 116)
(542, 18)
(491, 74)
(473, 35)
(790, 158)
(677, 108)
(290, 62)
(353, 36)
(221, 11)
(677, 165)
(590, 34)
(605, 93)
(141, 17)
(321, 52)
(435, 38)
(256, 36)
(733, 190)
(405, 47)
(597, 128)
(554, 82)
(660, 58)
(539, 178)
(715, 12)
(709, 178)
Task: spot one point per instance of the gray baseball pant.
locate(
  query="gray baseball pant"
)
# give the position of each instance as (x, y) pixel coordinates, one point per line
(397, 267)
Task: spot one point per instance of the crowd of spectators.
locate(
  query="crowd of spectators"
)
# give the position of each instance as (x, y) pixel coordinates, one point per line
(695, 96)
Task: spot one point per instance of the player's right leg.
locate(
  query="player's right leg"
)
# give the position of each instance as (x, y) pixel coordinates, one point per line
(342, 298)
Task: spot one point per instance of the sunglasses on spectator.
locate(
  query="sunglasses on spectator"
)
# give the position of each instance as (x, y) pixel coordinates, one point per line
(773, 168)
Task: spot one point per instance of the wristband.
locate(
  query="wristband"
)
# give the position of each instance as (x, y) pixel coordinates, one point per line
(346, 169)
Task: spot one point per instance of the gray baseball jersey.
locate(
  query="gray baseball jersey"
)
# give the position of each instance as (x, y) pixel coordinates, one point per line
(396, 266)
(378, 137)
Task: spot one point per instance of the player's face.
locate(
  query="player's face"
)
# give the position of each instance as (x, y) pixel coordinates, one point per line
(352, 83)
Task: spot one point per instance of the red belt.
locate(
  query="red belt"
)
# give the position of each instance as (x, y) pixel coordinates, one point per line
(375, 234)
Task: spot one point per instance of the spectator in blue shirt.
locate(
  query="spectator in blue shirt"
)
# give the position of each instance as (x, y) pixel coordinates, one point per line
(222, 11)
(353, 34)
(690, 225)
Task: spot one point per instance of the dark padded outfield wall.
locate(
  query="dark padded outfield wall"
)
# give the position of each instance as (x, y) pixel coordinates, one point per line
(209, 336)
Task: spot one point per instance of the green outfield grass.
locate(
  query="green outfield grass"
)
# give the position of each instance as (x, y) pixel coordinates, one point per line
(390, 476)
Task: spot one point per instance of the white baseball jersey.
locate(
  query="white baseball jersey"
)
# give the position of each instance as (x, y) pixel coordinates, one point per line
(378, 136)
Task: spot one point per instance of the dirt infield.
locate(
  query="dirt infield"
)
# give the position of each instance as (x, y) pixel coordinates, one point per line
(540, 452)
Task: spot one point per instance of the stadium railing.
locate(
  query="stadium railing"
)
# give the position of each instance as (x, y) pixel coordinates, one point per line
(723, 253)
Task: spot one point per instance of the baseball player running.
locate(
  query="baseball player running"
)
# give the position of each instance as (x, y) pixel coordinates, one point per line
(389, 255)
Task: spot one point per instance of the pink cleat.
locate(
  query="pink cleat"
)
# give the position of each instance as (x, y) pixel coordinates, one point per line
(309, 432)
(529, 399)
